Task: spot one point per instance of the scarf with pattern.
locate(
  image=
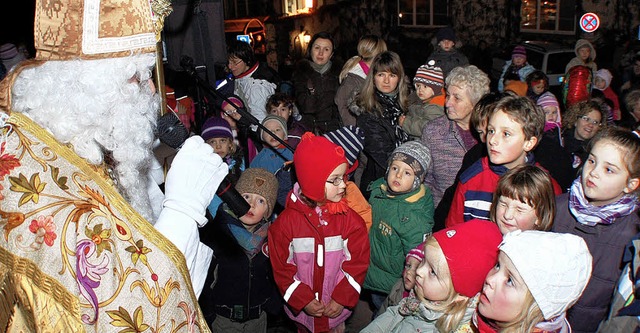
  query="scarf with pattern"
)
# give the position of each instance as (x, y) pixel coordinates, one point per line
(391, 111)
(590, 215)
(410, 306)
(251, 242)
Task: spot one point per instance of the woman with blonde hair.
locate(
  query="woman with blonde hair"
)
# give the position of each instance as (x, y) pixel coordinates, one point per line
(378, 108)
(354, 72)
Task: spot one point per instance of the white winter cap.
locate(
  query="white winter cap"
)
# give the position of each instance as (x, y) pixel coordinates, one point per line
(556, 267)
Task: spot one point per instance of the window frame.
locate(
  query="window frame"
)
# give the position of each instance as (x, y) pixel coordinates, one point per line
(300, 6)
(414, 14)
(557, 20)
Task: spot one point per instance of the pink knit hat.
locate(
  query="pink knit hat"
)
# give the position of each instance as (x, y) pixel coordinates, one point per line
(519, 51)
(234, 100)
(548, 99)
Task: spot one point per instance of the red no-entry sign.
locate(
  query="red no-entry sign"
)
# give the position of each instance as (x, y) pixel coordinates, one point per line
(589, 22)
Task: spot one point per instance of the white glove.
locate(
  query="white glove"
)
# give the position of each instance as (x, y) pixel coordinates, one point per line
(192, 181)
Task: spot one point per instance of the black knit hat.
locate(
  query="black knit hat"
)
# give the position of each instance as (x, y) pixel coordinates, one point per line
(446, 33)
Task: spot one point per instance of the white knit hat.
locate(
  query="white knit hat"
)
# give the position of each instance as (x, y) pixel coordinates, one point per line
(605, 75)
(556, 267)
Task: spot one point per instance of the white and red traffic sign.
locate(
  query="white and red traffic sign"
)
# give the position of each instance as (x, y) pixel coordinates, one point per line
(589, 22)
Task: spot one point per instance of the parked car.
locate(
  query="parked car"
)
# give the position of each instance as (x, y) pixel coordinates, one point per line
(549, 57)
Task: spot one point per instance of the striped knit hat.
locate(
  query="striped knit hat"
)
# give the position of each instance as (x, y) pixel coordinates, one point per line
(548, 99)
(216, 127)
(519, 51)
(350, 138)
(431, 76)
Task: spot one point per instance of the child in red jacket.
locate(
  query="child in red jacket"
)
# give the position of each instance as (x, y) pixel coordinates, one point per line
(602, 81)
(319, 247)
(514, 129)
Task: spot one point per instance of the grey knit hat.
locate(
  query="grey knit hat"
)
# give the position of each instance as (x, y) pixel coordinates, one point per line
(279, 120)
(416, 155)
(261, 182)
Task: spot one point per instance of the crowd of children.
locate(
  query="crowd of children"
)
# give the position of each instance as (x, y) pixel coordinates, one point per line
(533, 236)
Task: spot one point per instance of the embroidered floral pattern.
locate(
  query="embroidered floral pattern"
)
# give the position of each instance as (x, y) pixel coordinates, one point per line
(45, 230)
(8, 162)
(103, 247)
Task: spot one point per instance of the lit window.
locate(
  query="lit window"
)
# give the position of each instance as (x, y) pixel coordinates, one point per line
(295, 7)
(548, 16)
(422, 12)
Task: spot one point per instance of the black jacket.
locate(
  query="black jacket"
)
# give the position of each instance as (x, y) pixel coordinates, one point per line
(234, 280)
(315, 94)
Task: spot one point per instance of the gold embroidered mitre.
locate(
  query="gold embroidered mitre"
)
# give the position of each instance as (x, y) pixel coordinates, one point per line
(97, 29)
(91, 29)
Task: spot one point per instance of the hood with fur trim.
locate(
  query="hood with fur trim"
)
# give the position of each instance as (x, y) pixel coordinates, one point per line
(582, 43)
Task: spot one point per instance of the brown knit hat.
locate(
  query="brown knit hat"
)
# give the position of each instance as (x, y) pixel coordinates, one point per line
(261, 182)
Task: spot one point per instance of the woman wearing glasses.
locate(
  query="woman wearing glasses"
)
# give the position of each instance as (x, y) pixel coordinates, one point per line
(253, 81)
(564, 152)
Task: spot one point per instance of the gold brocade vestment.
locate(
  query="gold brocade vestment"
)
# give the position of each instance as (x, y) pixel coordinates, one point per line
(74, 255)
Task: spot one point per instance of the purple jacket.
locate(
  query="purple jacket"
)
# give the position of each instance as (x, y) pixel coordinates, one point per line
(447, 148)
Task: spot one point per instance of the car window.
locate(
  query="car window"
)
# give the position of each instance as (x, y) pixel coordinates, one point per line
(534, 58)
(558, 61)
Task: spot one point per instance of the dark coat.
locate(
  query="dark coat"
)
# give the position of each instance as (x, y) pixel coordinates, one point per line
(315, 95)
(607, 244)
(563, 157)
(234, 279)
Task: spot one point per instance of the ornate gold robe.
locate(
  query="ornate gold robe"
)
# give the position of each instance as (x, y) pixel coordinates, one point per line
(74, 255)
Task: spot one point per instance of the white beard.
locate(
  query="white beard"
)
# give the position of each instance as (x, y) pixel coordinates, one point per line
(92, 105)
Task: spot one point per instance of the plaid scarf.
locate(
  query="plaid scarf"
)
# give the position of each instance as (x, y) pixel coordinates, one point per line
(591, 215)
(391, 110)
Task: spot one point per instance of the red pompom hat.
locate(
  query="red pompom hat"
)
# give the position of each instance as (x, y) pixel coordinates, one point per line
(315, 159)
(471, 249)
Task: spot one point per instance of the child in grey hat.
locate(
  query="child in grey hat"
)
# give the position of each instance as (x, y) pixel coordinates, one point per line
(402, 217)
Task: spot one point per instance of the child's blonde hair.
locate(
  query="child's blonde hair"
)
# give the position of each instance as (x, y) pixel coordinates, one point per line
(455, 305)
(531, 185)
(526, 320)
(369, 46)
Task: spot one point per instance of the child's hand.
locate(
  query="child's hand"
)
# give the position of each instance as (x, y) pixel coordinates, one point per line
(401, 120)
(333, 309)
(314, 308)
(409, 275)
